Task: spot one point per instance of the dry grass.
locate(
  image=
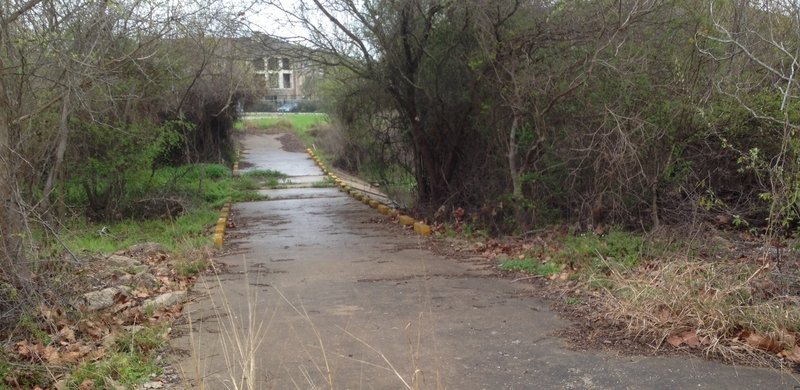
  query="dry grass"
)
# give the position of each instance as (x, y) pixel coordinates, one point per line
(240, 337)
(716, 305)
(243, 348)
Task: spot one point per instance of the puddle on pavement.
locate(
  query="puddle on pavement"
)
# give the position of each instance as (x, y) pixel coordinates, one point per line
(301, 193)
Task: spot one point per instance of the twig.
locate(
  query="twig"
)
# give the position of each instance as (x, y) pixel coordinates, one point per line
(527, 278)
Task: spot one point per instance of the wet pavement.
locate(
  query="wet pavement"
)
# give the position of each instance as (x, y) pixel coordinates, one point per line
(319, 292)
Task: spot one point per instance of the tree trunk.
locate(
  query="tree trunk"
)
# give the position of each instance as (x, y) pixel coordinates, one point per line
(11, 254)
(61, 148)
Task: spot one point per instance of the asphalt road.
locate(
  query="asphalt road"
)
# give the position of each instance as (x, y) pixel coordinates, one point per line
(318, 292)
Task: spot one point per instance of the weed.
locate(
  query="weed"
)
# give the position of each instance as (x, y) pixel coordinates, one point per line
(301, 124)
(127, 369)
(143, 340)
(573, 301)
(186, 269)
(266, 178)
(618, 250)
(715, 300)
(29, 325)
(149, 310)
(531, 266)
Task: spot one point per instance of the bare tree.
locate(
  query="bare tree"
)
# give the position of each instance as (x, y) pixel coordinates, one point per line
(757, 44)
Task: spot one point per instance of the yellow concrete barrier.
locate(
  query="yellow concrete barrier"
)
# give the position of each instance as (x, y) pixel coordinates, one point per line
(422, 228)
(405, 220)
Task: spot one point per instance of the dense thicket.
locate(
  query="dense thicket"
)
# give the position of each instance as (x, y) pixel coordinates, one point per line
(94, 96)
(529, 112)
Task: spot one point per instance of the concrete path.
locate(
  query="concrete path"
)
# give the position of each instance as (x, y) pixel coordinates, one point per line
(318, 293)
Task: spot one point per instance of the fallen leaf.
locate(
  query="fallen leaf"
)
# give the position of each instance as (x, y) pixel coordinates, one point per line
(86, 385)
(792, 355)
(688, 337)
(23, 349)
(763, 343)
(674, 340)
(67, 333)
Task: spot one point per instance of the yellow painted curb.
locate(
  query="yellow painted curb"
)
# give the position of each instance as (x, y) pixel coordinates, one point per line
(422, 228)
(374, 203)
(366, 200)
(383, 209)
(219, 229)
(358, 197)
(405, 220)
(218, 240)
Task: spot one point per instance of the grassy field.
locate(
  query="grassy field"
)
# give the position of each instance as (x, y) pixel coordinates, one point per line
(298, 123)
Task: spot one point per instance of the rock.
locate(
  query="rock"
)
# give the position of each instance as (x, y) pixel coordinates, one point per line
(144, 280)
(167, 299)
(137, 269)
(121, 279)
(101, 299)
(145, 249)
(132, 328)
(153, 385)
(122, 261)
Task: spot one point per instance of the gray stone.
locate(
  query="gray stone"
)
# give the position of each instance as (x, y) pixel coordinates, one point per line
(137, 269)
(145, 249)
(144, 280)
(122, 261)
(101, 299)
(167, 299)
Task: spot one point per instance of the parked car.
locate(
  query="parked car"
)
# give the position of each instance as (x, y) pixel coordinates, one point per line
(289, 107)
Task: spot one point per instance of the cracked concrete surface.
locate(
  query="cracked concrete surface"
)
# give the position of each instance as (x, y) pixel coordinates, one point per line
(320, 295)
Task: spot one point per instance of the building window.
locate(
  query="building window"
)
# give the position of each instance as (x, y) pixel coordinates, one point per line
(273, 80)
(272, 63)
(285, 64)
(287, 80)
(258, 64)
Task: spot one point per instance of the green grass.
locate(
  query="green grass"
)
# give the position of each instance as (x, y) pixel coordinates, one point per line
(144, 341)
(182, 233)
(298, 123)
(203, 188)
(129, 362)
(190, 268)
(126, 369)
(618, 250)
(593, 257)
(267, 177)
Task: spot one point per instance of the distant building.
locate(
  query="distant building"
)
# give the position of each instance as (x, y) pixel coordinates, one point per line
(280, 69)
